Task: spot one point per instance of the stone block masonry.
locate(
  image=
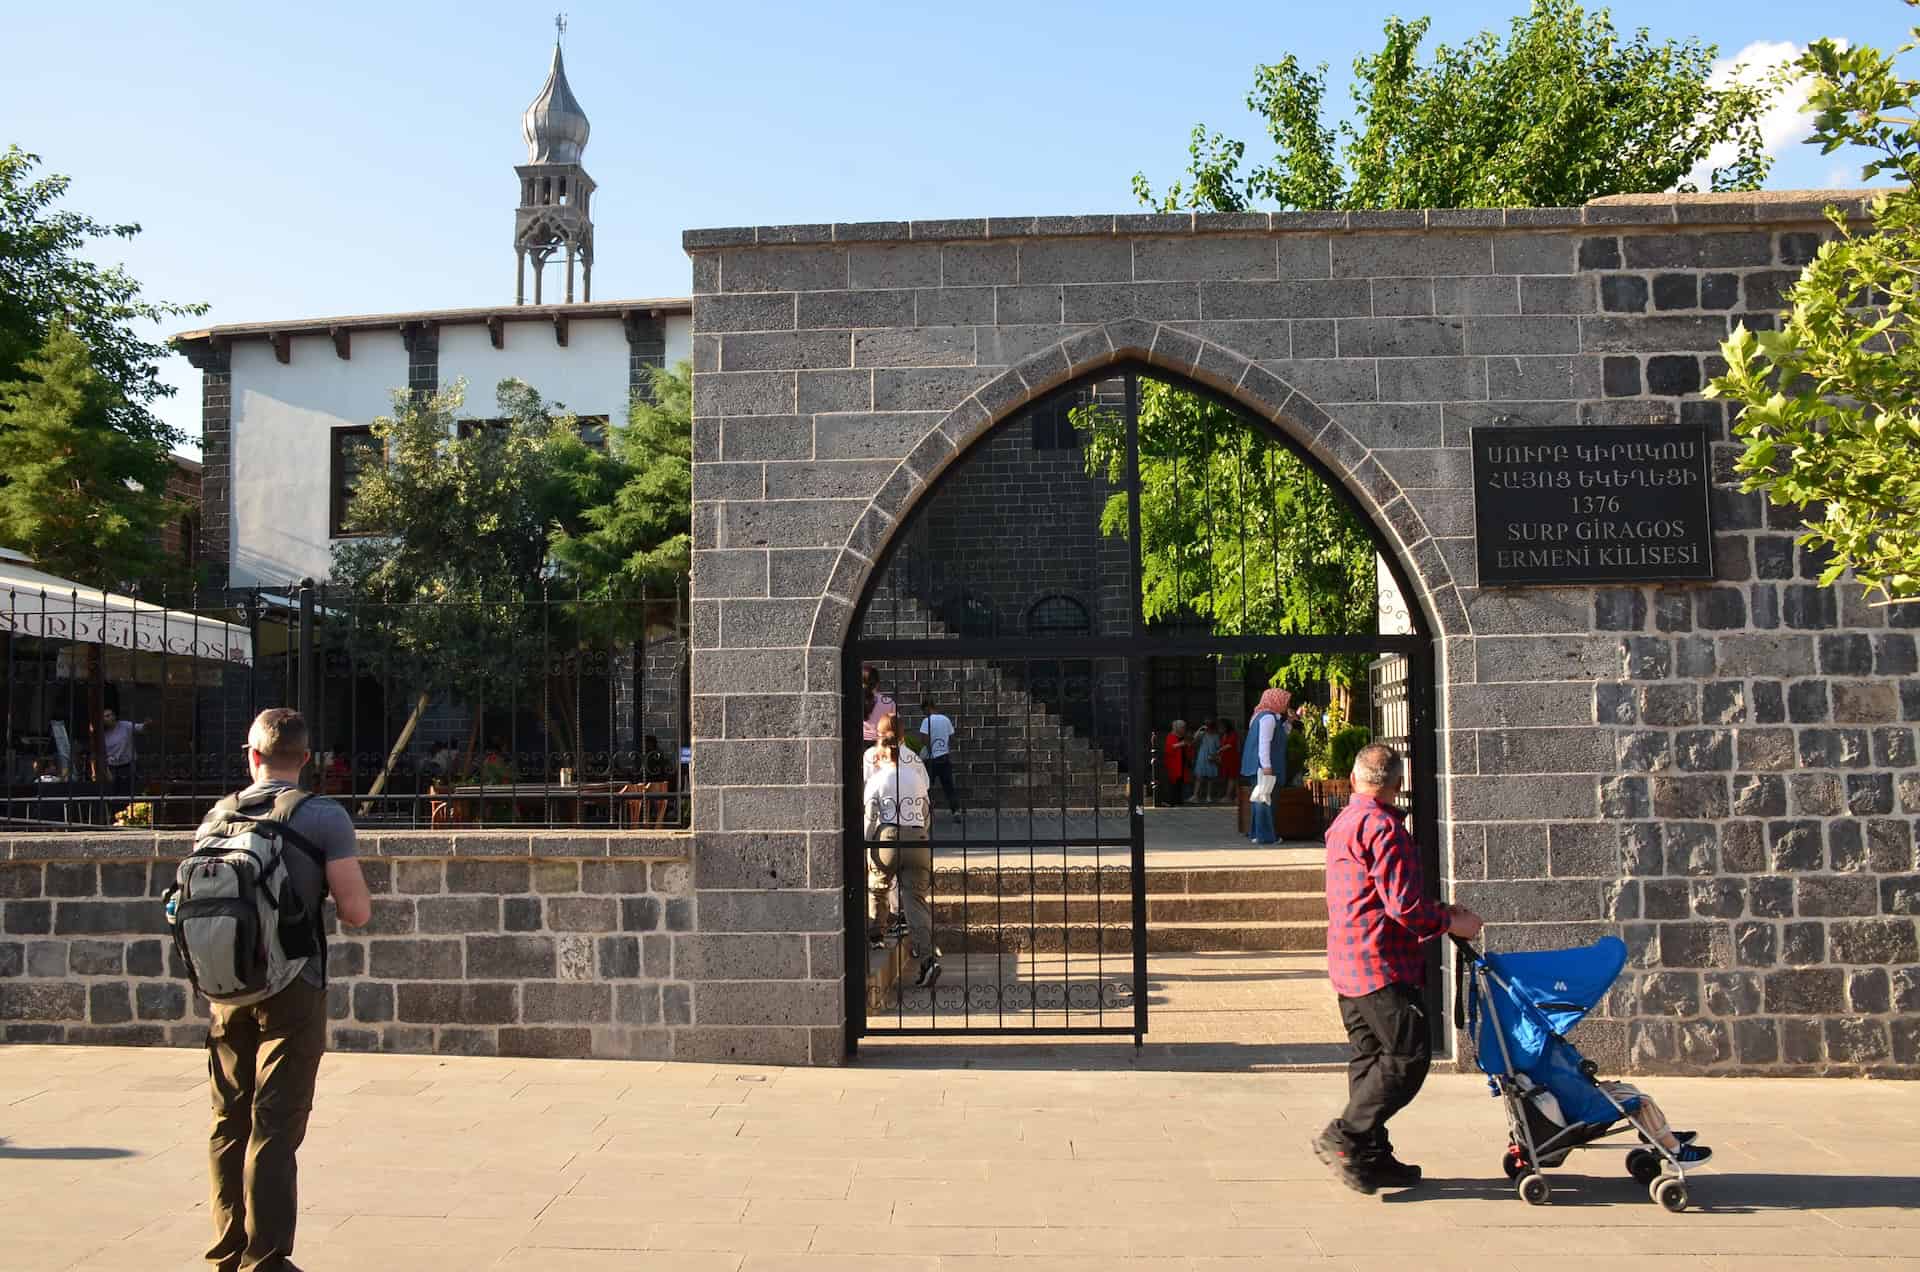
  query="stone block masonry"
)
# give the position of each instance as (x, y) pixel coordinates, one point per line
(1723, 773)
(550, 944)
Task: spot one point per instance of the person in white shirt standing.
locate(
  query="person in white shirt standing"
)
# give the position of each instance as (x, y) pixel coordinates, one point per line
(896, 807)
(937, 728)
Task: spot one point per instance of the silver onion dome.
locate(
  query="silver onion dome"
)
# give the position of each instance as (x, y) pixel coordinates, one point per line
(554, 126)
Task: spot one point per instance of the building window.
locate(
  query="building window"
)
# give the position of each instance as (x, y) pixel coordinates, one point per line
(592, 429)
(1057, 616)
(355, 450)
(1053, 423)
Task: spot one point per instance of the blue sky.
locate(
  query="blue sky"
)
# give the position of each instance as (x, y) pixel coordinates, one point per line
(300, 160)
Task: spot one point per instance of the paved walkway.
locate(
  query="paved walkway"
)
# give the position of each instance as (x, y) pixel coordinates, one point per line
(423, 1163)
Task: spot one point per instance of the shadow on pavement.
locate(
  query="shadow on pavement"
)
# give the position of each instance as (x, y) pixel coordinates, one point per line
(9, 1152)
(1101, 1056)
(1710, 1191)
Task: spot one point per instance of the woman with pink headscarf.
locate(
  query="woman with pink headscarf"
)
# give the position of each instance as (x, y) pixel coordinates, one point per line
(1264, 757)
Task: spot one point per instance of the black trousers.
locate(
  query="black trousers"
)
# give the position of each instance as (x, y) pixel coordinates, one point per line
(940, 768)
(1392, 1052)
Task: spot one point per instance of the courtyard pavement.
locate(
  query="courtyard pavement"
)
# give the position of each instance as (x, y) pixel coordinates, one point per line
(906, 1163)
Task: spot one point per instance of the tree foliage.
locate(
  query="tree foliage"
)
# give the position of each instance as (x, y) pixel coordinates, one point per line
(458, 525)
(1237, 532)
(47, 282)
(637, 519)
(469, 525)
(81, 497)
(1564, 111)
(1830, 401)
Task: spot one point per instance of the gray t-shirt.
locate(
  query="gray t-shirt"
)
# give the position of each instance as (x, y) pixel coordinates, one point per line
(329, 828)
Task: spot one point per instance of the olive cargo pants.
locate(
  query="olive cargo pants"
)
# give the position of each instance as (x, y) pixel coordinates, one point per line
(262, 1060)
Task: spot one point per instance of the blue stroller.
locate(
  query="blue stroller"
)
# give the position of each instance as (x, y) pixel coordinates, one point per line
(1517, 1008)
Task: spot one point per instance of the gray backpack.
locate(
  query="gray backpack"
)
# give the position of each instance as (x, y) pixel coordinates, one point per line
(237, 915)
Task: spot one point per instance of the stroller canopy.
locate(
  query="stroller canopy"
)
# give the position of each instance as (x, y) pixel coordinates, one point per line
(1545, 992)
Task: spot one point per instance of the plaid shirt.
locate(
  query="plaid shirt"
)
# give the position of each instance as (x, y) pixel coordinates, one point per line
(1378, 913)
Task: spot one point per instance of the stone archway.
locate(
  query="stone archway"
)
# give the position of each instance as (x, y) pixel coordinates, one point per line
(1420, 569)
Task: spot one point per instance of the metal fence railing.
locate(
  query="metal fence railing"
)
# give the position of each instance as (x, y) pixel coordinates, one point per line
(524, 710)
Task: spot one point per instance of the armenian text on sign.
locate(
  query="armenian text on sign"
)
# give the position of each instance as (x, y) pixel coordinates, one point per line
(1592, 505)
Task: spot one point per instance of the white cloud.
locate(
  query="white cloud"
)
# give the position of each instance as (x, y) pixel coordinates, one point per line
(1785, 122)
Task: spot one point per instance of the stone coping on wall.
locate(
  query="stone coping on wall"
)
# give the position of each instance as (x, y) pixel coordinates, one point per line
(1746, 207)
(495, 845)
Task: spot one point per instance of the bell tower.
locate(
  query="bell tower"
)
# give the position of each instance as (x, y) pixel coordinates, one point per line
(556, 194)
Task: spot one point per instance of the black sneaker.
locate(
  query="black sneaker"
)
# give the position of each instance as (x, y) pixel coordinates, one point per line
(1332, 1151)
(1391, 1172)
(1684, 1137)
(929, 973)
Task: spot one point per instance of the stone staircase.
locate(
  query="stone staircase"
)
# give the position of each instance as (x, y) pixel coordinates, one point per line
(1083, 910)
(1009, 749)
(1045, 939)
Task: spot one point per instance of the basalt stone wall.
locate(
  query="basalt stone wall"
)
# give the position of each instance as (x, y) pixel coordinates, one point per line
(1721, 773)
(480, 944)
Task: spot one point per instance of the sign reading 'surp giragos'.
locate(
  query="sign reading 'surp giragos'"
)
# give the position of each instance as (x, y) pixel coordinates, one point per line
(1591, 505)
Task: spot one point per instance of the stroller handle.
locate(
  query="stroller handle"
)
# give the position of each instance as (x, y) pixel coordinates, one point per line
(1465, 947)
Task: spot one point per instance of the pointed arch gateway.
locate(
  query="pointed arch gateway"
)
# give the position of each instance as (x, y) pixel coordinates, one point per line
(1040, 485)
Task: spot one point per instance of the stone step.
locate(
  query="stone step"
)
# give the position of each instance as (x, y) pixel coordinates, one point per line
(1117, 938)
(1110, 908)
(1016, 878)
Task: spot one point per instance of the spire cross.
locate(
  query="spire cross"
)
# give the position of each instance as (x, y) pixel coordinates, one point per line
(559, 26)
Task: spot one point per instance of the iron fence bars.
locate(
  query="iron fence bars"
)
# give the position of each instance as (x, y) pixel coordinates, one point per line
(550, 709)
(1029, 859)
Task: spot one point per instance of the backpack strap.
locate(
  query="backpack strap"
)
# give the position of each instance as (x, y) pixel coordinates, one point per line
(278, 817)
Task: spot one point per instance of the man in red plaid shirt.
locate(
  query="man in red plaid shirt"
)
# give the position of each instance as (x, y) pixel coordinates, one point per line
(1378, 917)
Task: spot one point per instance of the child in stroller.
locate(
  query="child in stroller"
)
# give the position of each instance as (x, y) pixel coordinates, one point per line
(1517, 1008)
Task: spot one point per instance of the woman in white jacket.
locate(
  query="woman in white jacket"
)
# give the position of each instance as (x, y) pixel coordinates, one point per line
(896, 805)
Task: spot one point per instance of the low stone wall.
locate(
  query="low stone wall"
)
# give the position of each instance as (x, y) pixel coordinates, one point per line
(543, 944)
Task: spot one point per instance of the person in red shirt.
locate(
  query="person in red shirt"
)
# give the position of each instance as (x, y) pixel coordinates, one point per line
(1378, 918)
(1174, 762)
(1229, 760)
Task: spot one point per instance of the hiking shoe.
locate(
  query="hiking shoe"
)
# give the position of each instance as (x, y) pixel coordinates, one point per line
(1332, 1151)
(1693, 1154)
(929, 973)
(1391, 1172)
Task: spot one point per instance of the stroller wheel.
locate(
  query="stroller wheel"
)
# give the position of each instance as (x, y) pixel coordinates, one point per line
(1513, 1162)
(1534, 1189)
(1670, 1193)
(1643, 1165)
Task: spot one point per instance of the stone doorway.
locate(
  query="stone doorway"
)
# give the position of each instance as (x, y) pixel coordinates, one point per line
(1098, 562)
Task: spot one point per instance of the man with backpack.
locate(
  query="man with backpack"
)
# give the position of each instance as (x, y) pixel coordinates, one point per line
(246, 917)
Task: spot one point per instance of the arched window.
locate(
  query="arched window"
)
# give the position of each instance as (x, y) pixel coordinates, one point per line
(1057, 616)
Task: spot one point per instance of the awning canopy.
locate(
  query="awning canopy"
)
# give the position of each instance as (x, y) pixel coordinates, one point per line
(44, 605)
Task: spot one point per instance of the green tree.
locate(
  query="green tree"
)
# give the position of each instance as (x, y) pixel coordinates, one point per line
(81, 497)
(636, 520)
(1237, 531)
(1562, 112)
(46, 281)
(1830, 402)
(460, 523)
